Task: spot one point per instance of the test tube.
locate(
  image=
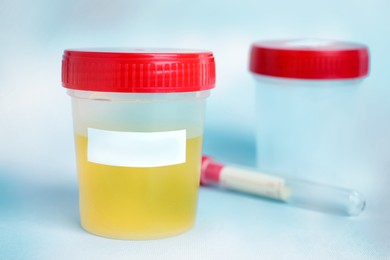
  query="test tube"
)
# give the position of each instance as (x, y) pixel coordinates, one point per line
(300, 193)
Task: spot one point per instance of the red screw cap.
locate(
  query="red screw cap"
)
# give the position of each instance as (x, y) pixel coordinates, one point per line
(309, 59)
(138, 70)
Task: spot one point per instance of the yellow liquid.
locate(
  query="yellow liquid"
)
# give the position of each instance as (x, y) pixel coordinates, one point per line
(138, 203)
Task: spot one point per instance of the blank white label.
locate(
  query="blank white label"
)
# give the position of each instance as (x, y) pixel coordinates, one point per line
(136, 149)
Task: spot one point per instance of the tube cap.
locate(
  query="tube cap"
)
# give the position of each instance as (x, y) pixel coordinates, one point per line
(309, 59)
(138, 70)
(210, 171)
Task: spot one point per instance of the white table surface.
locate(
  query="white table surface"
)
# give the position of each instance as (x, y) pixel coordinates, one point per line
(39, 219)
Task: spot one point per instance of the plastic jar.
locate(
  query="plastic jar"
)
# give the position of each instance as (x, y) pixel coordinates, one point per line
(138, 124)
(305, 97)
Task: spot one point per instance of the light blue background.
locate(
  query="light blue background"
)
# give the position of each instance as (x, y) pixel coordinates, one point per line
(38, 185)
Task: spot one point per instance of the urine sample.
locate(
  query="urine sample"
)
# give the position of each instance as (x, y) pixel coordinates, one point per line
(138, 126)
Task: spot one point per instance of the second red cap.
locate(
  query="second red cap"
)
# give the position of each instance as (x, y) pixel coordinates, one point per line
(309, 59)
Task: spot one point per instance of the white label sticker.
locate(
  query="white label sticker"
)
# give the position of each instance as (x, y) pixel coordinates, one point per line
(136, 149)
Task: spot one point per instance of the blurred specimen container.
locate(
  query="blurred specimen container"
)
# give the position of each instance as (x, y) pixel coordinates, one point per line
(305, 101)
(138, 123)
(300, 193)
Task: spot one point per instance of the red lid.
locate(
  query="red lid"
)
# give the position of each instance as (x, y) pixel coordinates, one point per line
(138, 70)
(309, 59)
